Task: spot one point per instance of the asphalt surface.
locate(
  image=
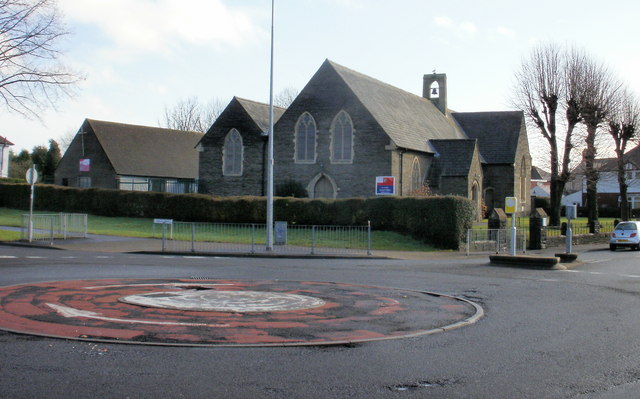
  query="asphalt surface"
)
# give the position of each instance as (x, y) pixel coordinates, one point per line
(545, 334)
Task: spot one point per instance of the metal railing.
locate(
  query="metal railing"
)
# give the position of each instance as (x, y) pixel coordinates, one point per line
(250, 238)
(47, 227)
(494, 240)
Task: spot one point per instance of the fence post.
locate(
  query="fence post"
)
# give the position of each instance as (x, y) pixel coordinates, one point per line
(193, 237)
(253, 238)
(86, 224)
(164, 238)
(498, 241)
(468, 240)
(52, 223)
(313, 238)
(368, 237)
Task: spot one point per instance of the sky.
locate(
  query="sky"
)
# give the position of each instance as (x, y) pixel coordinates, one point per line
(140, 56)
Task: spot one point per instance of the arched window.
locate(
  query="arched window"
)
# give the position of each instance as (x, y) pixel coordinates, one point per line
(342, 139)
(232, 153)
(416, 175)
(305, 139)
(524, 189)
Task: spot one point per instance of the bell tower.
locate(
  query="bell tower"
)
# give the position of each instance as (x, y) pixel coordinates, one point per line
(435, 89)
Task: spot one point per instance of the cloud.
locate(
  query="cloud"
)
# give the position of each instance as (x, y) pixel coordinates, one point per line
(504, 31)
(461, 28)
(161, 26)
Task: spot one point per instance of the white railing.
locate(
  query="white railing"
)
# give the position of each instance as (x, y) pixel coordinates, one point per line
(250, 238)
(494, 240)
(47, 227)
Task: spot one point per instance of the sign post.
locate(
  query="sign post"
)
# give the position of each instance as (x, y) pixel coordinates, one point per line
(32, 177)
(510, 206)
(571, 213)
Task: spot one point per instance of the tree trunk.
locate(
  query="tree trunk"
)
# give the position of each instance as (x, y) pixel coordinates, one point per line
(592, 179)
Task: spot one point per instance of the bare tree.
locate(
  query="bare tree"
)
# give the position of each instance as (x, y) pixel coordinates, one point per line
(546, 84)
(190, 115)
(31, 76)
(285, 97)
(622, 125)
(597, 99)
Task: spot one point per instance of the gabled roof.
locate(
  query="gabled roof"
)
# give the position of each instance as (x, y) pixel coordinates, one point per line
(409, 120)
(497, 133)
(453, 157)
(4, 141)
(539, 174)
(259, 112)
(135, 150)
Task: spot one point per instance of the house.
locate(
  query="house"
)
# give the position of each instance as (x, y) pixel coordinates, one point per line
(130, 157)
(608, 186)
(345, 129)
(540, 183)
(4, 156)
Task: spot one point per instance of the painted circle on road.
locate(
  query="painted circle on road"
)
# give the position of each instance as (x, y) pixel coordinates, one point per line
(227, 312)
(224, 301)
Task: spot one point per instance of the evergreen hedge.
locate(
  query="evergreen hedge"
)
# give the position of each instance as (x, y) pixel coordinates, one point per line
(441, 221)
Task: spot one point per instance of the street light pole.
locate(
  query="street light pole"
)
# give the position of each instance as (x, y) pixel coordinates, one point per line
(270, 149)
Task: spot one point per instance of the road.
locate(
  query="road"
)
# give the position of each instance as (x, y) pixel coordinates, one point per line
(545, 334)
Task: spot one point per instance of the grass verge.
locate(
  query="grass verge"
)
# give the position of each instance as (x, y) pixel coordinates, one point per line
(144, 228)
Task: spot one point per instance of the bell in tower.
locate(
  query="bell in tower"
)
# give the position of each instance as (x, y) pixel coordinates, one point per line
(435, 89)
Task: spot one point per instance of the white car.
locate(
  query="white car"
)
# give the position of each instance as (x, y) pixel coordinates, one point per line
(626, 234)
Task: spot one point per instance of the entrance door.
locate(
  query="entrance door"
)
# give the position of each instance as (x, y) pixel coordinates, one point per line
(323, 188)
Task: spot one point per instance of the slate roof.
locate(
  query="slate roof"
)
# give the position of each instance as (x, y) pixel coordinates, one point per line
(539, 174)
(409, 120)
(259, 112)
(497, 133)
(135, 150)
(453, 157)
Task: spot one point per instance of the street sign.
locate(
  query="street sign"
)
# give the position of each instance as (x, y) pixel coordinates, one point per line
(510, 205)
(32, 175)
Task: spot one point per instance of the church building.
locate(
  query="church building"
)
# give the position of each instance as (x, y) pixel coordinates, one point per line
(346, 130)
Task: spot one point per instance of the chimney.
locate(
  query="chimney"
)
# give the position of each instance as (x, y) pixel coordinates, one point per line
(435, 89)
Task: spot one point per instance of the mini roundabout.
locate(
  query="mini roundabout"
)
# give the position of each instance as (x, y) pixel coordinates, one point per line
(215, 312)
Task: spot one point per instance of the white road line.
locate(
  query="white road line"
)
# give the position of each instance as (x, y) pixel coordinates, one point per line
(104, 257)
(596, 273)
(193, 257)
(571, 271)
(35, 257)
(168, 257)
(69, 257)
(7, 257)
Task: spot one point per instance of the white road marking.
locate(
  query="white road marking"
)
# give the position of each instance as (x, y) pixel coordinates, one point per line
(104, 257)
(193, 257)
(69, 312)
(69, 257)
(7, 257)
(630, 275)
(596, 273)
(35, 257)
(571, 271)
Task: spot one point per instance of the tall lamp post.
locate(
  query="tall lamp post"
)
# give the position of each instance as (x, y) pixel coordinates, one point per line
(270, 149)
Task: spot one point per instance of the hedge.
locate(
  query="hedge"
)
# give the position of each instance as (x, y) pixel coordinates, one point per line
(441, 221)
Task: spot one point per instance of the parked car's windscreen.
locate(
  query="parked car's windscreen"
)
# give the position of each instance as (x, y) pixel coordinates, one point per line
(626, 226)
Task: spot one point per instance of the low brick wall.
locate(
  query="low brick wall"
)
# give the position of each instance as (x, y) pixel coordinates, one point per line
(599, 238)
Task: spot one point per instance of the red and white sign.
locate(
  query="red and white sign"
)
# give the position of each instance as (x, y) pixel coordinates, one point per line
(85, 165)
(385, 185)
